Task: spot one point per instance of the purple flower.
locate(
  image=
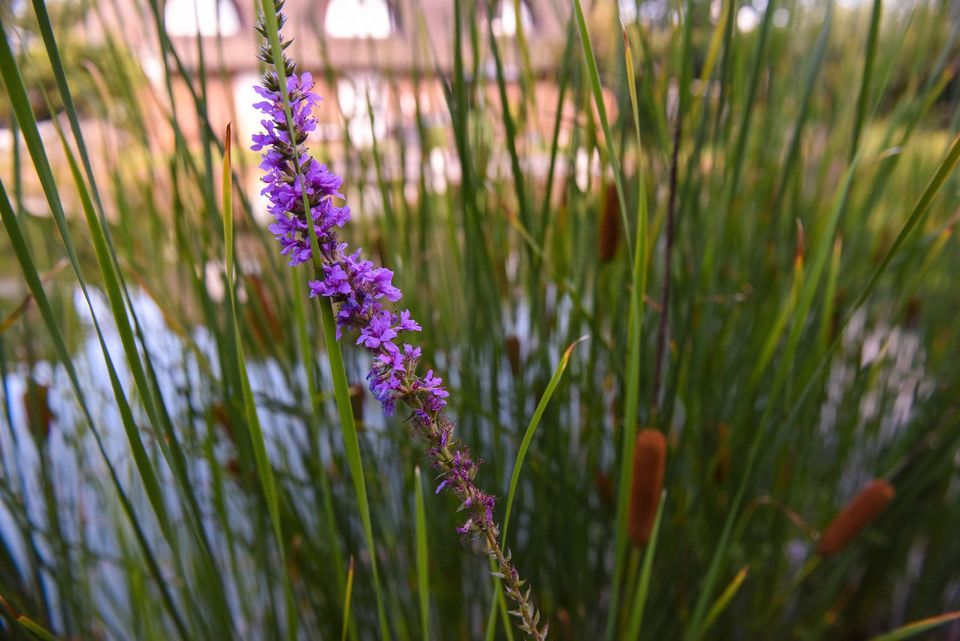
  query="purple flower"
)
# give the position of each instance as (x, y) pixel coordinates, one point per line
(304, 198)
(334, 283)
(408, 324)
(378, 331)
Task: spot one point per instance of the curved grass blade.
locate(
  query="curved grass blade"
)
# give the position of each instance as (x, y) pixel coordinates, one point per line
(28, 126)
(917, 216)
(532, 430)
(145, 377)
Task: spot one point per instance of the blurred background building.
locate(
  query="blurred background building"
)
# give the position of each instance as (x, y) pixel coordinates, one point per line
(373, 60)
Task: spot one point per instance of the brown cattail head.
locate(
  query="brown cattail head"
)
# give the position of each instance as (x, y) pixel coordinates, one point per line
(37, 406)
(610, 226)
(864, 508)
(513, 354)
(649, 463)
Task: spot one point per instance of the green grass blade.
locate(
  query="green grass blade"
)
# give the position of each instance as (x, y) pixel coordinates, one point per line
(347, 598)
(532, 430)
(28, 125)
(152, 401)
(917, 627)
(724, 599)
(351, 442)
(810, 80)
(27, 623)
(510, 128)
(423, 558)
(643, 587)
(745, 127)
(612, 155)
(264, 469)
(805, 299)
(863, 98)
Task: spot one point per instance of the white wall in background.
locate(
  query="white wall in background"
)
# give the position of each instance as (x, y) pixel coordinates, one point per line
(201, 17)
(358, 19)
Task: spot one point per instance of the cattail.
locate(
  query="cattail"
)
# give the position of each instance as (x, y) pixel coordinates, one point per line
(37, 406)
(513, 355)
(610, 226)
(649, 462)
(857, 515)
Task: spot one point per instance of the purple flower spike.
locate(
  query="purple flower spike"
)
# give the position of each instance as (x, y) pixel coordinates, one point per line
(304, 198)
